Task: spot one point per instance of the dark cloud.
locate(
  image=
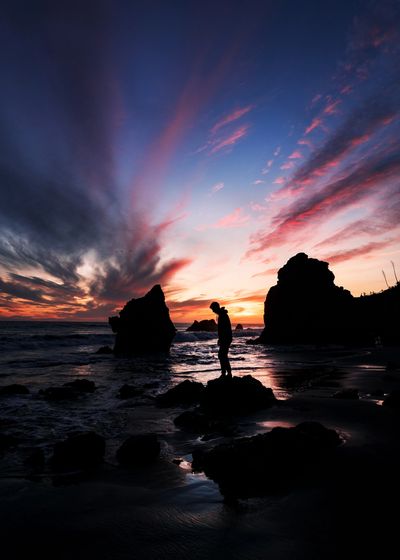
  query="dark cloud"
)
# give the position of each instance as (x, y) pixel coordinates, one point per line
(59, 114)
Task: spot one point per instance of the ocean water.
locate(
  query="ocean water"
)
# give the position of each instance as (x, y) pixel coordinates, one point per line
(43, 354)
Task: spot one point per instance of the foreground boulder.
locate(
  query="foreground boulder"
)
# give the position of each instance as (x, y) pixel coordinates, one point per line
(236, 395)
(185, 393)
(268, 463)
(83, 450)
(208, 325)
(143, 325)
(138, 450)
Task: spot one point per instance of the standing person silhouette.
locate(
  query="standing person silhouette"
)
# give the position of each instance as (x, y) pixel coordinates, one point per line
(224, 338)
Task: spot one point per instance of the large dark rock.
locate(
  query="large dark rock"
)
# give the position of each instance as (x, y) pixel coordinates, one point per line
(59, 394)
(208, 325)
(138, 450)
(82, 450)
(185, 393)
(236, 395)
(267, 463)
(129, 391)
(14, 389)
(306, 307)
(81, 385)
(143, 325)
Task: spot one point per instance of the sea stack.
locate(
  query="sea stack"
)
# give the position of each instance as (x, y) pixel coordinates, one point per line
(143, 325)
(306, 306)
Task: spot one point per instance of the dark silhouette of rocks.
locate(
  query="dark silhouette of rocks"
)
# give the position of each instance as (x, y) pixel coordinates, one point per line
(138, 450)
(236, 395)
(143, 325)
(239, 327)
(14, 389)
(83, 450)
(268, 463)
(208, 325)
(185, 393)
(36, 460)
(69, 391)
(221, 396)
(81, 385)
(199, 422)
(306, 307)
(104, 350)
(129, 391)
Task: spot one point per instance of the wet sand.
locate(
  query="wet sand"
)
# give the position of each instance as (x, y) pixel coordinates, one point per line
(165, 511)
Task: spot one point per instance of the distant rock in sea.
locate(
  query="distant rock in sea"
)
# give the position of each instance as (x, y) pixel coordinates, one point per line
(306, 307)
(239, 327)
(208, 325)
(143, 325)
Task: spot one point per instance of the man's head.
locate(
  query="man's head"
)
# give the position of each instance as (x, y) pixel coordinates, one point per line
(215, 307)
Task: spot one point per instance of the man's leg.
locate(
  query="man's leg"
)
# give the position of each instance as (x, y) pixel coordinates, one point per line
(222, 361)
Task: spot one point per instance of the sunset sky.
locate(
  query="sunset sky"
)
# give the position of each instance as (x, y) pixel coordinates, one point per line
(198, 145)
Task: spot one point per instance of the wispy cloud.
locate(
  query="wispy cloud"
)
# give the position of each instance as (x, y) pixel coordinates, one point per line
(230, 140)
(217, 187)
(232, 117)
(364, 250)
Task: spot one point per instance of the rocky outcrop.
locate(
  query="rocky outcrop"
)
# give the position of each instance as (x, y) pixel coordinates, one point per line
(239, 327)
(139, 449)
(306, 306)
(143, 325)
(14, 389)
(83, 450)
(208, 325)
(185, 393)
(236, 395)
(268, 463)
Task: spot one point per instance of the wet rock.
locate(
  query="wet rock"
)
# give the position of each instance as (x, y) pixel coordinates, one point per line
(268, 463)
(236, 395)
(185, 393)
(208, 325)
(351, 394)
(393, 399)
(82, 450)
(104, 350)
(59, 394)
(129, 391)
(81, 385)
(143, 325)
(239, 327)
(199, 422)
(14, 389)
(138, 450)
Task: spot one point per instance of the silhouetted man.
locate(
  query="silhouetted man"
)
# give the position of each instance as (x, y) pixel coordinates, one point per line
(224, 338)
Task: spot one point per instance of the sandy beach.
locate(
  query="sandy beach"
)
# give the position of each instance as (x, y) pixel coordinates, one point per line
(166, 511)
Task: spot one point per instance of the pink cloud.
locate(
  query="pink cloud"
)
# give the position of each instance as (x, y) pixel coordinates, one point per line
(235, 219)
(258, 182)
(296, 155)
(357, 251)
(330, 109)
(280, 181)
(287, 165)
(305, 142)
(230, 140)
(232, 117)
(277, 151)
(315, 123)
